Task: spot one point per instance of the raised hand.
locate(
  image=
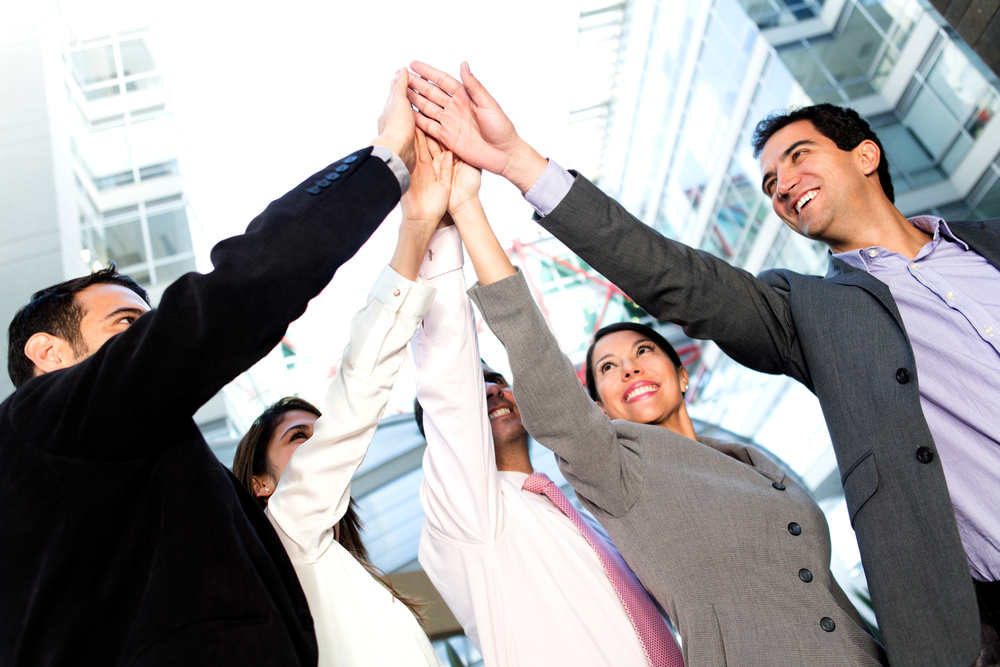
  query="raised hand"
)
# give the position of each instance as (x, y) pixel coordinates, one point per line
(467, 120)
(465, 181)
(396, 124)
(424, 204)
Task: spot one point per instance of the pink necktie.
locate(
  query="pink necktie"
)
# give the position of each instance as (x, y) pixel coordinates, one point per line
(657, 643)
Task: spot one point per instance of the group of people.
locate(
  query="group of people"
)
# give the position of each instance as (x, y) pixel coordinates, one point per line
(127, 543)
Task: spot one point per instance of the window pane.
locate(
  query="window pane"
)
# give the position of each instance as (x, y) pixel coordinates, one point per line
(93, 65)
(805, 69)
(957, 151)
(959, 85)
(101, 93)
(930, 123)
(144, 84)
(124, 244)
(136, 58)
(170, 272)
(169, 233)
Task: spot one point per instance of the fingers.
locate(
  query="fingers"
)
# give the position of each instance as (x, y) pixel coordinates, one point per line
(429, 90)
(434, 146)
(476, 90)
(420, 145)
(424, 105)
(445, 82)
(431, 127)
(447, 169)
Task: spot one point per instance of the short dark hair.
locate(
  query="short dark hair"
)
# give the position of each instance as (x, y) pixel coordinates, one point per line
(54, 311)
(418, 410)
(648, 332)
(843, 126)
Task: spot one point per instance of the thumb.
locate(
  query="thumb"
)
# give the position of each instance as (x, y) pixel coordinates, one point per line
(476, 90)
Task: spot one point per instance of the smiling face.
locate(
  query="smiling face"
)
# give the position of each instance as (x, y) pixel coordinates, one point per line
(505, 418)
(815, 188)
(638, 382)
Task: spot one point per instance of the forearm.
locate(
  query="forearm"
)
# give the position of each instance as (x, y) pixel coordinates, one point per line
(488, 257)
(460, 492)
(210, 328)
(711, 299)
(524, 166)
(314, 489)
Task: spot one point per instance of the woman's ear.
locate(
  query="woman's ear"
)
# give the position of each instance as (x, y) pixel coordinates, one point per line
(683, 380)
(262, 488)
(601, 406)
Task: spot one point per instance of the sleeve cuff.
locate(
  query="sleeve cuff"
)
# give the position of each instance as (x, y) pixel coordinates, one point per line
(401, 295)
(444, 253)
(396, 164)
(550, 188)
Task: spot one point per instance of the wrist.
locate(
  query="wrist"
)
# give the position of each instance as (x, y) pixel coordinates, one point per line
(466, 205)
(402, 148)
(524, 167)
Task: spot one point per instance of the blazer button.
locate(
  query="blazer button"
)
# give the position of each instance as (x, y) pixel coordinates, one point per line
(306, 621)
(322, 183)
(351, 158)
(314, 190)
(342, 168)
(794, 528)
(805, 575)
(924, 455)
(827, 624)
(778, 485)
(902, 376)
(332, 176)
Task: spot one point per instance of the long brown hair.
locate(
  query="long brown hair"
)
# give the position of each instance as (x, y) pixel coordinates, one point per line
(251, 460)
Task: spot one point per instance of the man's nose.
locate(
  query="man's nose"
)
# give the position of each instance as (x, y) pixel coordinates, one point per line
(492, 390)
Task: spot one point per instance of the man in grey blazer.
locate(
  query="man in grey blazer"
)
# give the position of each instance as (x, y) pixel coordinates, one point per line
(919, 452)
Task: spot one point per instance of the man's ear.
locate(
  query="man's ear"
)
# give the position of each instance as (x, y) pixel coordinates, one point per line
(49, 353)
(870, 156)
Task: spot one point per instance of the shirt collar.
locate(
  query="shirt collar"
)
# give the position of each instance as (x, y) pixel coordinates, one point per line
(930, 224)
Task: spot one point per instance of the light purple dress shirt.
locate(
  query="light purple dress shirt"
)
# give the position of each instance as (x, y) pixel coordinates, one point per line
(949, 299)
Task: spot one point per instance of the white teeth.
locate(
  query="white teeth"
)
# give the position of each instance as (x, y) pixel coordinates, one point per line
(806, 198)
(645, 389)
(500, 412)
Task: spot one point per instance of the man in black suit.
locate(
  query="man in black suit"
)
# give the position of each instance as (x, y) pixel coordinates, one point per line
(123, 541)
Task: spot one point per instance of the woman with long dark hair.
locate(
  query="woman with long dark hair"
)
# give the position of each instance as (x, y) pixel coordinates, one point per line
(298, 463)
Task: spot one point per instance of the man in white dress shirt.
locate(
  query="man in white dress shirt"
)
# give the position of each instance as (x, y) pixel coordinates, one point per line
(519, 576)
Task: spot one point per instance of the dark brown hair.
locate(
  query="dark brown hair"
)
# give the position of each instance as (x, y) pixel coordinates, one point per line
(251, 460)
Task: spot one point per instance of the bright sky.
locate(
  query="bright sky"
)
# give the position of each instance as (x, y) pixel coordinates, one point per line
(265, 97)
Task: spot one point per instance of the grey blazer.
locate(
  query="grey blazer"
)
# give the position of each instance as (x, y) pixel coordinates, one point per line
(843, 338)
(705, 525)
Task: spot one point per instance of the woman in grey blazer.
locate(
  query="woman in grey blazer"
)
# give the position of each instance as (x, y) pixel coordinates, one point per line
(733, 549)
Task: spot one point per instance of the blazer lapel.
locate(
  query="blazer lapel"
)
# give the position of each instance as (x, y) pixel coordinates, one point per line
(982, 237)
(842, 273)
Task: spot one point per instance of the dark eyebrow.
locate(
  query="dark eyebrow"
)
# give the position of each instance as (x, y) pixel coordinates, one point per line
(126, 310)
(784, 156)
(634, 345)
(294, 427)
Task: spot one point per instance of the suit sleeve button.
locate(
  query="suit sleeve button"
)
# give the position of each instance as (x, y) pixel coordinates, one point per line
(322, 183)
(794, 528)
(332, 176)
(827, 624)
(924, 455)
(805, 575)
(351, 158)
(314, 190)
(342, 168)
(902, 376)
(306, 621)
(778, 485)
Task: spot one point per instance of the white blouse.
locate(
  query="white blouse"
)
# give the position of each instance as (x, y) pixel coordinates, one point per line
(357, 621)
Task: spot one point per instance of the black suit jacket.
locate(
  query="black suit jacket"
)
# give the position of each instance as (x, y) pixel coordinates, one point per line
(843, 338)
(123, 541)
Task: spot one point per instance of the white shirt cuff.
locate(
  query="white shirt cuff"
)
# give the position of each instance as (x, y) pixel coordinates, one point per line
(550, 188)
